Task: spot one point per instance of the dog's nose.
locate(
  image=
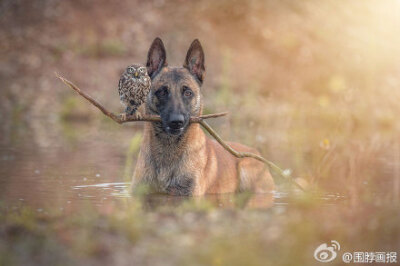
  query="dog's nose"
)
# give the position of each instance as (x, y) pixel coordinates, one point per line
(176, 121)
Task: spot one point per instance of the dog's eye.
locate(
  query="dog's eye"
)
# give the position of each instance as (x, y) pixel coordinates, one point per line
(162, 92)
(187, 92)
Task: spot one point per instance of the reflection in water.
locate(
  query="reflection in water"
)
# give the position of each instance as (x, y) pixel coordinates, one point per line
(153, 201)
(119, 189)
(103, 191)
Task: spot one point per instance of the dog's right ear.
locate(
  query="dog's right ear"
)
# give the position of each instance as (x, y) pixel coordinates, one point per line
(194, 61)
(156, 57)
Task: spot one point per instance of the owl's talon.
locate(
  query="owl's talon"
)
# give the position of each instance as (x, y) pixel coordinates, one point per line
(123, 116)
(138, 116)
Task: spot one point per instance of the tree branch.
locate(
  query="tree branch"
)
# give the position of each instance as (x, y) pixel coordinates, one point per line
(199, 119)
(129, 118)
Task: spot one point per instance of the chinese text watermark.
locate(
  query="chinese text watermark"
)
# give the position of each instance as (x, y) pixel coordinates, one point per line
(328, 252)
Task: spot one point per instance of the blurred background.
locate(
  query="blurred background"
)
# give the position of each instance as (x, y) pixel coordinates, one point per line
(314, 85)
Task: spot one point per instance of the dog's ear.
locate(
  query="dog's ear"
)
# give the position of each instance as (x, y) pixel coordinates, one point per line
(194, 61)
(156, 57)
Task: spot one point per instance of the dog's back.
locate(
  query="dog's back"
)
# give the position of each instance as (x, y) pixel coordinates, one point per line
(176, 157)
(234, 174)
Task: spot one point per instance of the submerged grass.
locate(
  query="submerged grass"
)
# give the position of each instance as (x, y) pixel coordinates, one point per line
(133, 150)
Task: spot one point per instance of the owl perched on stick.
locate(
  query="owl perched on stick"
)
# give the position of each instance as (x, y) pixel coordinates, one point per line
(133, 87)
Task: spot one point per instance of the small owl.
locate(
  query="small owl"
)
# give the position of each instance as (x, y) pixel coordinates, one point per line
(133, 87)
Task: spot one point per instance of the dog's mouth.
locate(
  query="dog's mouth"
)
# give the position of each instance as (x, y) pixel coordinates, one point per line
(174, 131)
(175, 128)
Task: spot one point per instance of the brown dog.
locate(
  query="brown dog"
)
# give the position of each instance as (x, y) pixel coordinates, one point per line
(176, 157)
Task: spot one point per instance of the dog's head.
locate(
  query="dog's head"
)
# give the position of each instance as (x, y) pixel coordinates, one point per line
(175, 91)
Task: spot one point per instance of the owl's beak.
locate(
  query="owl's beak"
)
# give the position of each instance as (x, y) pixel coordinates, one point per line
(136, 74)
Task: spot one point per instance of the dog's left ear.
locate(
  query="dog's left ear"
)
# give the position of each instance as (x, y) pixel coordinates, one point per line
(194, 61)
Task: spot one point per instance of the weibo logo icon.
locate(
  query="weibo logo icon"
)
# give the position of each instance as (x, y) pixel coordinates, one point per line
(325, 253)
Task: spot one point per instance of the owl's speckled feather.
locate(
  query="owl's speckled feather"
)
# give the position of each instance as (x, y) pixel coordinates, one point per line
(133, 87)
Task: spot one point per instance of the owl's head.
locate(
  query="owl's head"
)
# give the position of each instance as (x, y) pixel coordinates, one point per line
(137, 71)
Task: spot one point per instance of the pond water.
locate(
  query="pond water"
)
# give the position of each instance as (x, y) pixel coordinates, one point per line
(69, 165)
(64, 199)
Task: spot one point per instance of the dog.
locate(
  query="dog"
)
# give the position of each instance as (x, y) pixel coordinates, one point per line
(175, 156)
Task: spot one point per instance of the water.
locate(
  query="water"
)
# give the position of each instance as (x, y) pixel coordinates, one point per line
(66, 168)
(65, 199)
(41, 164)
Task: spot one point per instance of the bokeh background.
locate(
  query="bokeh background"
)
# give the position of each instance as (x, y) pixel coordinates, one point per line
(314, 85)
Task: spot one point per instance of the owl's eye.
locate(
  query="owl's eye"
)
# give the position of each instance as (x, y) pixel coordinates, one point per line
(142, 70)
(187, 92)
(162, 92)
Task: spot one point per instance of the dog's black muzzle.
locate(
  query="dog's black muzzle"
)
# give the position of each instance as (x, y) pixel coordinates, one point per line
(175, 123)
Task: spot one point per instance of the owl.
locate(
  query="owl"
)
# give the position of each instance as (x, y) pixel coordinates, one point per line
(133, 87)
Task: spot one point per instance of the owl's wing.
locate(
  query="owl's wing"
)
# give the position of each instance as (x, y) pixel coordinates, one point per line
(148, 82)
(121, 84)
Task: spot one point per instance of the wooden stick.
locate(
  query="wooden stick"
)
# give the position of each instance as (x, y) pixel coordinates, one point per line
(199, 119)
(129, 118)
